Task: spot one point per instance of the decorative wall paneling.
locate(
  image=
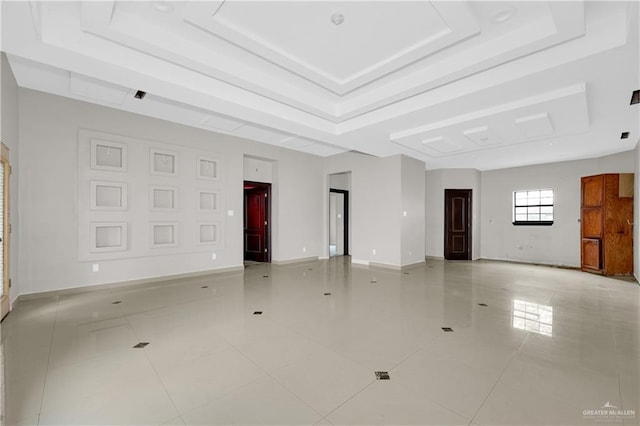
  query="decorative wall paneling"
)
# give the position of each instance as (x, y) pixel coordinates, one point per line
(141, 198)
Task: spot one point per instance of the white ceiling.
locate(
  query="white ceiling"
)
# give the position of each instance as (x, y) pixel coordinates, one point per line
(456, 84)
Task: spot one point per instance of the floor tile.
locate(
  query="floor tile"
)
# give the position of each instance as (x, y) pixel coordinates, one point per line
(263, 402)
(390, 403)
(139, 402)
(196, 382)
(324, 380)
(532, 391)
(448, 378)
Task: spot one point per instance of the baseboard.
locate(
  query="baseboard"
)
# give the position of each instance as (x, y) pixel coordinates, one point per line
(524, 262)
(384, 266)
(434, 258)
(292, 261)
(411, 265)
(361, 262)
(142, 282)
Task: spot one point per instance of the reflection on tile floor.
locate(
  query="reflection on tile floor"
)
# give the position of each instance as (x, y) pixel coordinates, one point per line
(531, 345)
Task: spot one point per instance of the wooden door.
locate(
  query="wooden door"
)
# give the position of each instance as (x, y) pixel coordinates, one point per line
(457, 224)
(257, 222)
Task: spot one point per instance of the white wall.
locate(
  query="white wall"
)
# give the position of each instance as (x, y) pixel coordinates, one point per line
(436, 182)
(375, 206)
(258, 170)
(413, 204)
(556, 244)
(340, 181)
(48, 174)
(10, 136)
(380, 190)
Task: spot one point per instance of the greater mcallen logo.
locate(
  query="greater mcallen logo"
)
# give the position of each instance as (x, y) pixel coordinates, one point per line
(609, 412)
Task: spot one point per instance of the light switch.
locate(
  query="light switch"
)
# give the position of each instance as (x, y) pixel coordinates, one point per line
(229, 212)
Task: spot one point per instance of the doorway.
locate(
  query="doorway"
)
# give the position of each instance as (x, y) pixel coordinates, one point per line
(457, 224)
(257, 221)
(338, 222)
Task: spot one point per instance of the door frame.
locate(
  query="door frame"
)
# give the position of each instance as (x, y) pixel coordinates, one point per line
(469, 227)
(5, 300)
(345, 193)
(267, 215)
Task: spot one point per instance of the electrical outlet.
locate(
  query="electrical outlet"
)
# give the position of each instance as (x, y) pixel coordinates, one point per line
(404, 213)
(304, 249)
(95, 267)
(230, 212)
(373, 251)
(213, 256)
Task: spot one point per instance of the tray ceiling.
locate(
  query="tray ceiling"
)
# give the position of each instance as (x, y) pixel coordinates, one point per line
(455, 84)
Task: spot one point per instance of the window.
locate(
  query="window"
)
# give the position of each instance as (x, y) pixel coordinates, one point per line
(533, 207)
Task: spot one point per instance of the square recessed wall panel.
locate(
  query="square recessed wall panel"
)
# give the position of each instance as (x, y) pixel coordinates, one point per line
(108, 195)
(108, 236)
(163, 234)
(110, 156)
(208, 201)
(163, 163)
(208, 233)
(163, 198)
(208, 168)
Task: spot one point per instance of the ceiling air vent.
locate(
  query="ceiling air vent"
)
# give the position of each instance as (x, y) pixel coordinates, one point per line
(635, 97)
(140, 94)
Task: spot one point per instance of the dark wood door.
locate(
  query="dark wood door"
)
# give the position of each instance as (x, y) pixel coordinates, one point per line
(457, 224)
(257, 222)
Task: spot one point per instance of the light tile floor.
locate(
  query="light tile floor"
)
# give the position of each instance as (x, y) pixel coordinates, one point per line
(550, 347)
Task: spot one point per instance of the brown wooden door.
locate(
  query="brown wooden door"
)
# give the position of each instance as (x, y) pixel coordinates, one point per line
(592, 198)
(257, 222)
(457, 224)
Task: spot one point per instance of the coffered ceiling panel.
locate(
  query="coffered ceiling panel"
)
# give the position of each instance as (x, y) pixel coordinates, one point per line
(498, 125)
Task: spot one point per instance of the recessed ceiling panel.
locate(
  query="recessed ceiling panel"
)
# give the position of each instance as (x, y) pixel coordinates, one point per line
(483, 136)
(441, 145)
(535, 126)
(322, 149)
(369, 40)
(496, 127)
(304, 32)
(296, 142)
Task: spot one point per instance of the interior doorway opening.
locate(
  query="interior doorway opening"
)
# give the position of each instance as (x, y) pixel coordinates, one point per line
(338, 222)
(257, 221)
(339, 187)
